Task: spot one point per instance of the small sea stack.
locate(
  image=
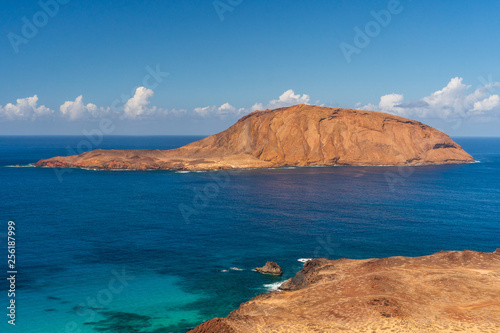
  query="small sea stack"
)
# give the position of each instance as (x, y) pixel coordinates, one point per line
(270, 268)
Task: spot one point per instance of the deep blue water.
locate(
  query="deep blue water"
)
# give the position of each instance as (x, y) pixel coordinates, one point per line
(80, 229)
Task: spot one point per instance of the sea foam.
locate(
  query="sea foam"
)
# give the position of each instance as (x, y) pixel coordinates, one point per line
(273, 286)
(304, 260)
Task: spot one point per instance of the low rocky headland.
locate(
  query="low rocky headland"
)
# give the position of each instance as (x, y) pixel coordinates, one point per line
(449, 291)
(301, 135)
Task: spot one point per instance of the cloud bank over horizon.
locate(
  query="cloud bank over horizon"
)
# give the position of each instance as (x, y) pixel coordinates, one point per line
(456, 100)
(136, 107)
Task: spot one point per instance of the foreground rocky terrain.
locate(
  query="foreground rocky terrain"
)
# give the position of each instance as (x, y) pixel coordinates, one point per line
(448, 291)
(301, 135)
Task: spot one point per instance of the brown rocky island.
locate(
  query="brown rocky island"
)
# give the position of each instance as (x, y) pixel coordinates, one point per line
(301, 135)
(449, 291)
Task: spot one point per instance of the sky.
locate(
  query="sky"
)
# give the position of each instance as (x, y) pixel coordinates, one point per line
(177, 67)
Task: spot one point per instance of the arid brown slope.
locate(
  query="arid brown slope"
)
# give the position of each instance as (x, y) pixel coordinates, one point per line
(301, 135)
(444, 292)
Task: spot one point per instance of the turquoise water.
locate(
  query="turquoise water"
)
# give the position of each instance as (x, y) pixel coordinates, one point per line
(152, 251)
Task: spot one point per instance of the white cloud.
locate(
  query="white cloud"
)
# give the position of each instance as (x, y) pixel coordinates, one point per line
(450, 100)
(390, 102)
(369, 106)
(205, 111)
(137, 105)
(221, 111)
(288, 98)
(226, 107)
(175, 112)
(77, 110)
(454, 100)
(25, 108)
(257, 107)
(487, 104)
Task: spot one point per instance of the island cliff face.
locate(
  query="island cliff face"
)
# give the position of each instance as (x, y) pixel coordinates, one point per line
(301, 135)
(448, 291)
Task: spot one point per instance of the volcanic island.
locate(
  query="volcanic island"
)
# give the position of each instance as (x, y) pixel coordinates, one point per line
(300, 135)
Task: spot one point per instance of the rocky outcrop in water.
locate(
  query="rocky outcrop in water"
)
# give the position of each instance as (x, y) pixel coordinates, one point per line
(270, 268)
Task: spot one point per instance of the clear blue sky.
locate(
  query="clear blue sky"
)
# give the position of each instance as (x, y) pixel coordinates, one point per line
(244, 53)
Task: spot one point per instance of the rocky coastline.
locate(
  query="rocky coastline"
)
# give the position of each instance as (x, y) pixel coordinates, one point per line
(449, 291)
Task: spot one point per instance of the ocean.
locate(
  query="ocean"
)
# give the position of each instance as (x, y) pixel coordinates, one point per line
(163, 251)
